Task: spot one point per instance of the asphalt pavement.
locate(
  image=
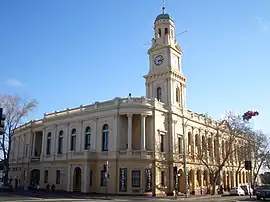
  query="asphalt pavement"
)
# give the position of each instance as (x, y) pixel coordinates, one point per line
(38, 197)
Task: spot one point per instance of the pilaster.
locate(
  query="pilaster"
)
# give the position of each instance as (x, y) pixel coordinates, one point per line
(129, 131)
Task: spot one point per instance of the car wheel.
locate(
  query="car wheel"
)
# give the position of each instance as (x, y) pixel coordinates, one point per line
(258, 197)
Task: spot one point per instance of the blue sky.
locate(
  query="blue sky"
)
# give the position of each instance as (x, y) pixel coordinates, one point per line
(66, 53)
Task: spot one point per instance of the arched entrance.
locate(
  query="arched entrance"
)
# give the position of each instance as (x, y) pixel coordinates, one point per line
(34, 178)
(199, 179)
(77, 178)
(181, 183)
(191, 182)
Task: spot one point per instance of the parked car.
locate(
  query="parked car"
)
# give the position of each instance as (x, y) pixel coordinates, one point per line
(6, 188)
(263, 192)
(237, 191)
(247, 189)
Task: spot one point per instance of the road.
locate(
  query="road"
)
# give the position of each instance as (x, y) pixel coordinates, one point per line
(39, 198)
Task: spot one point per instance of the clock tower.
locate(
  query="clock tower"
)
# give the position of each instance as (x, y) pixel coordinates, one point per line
(165, 80)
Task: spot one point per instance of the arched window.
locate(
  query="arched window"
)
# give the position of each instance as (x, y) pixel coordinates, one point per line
(159, 33)
(159, 94)
(189, 138)
(49, 141)
(87, 140)
(177, 94)
(105, 137)
(166, 31)
(73, 140)
(60, 142)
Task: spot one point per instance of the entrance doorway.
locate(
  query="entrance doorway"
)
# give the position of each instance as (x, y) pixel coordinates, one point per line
(77, 178)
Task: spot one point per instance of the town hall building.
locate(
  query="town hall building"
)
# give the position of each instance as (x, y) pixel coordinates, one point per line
(141, 138)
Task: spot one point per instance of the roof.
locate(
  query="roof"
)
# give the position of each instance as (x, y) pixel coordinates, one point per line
(163, 16)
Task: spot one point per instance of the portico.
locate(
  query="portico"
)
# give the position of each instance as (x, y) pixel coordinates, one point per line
(135, 131)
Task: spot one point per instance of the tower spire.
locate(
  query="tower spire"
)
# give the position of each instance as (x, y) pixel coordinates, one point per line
(163, 7)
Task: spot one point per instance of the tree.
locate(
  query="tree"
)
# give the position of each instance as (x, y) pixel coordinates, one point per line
(226, 132)
(259, 143)
(15, 109)
(241, 153)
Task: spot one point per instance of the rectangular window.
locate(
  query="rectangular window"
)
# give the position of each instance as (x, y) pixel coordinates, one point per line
(102, 178)
(162, 180)
(57, 181)
(180, 145)
(162, 143)
(136, 178)
(46, 176)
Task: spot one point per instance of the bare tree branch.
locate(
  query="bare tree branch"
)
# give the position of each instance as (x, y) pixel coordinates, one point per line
(222, 134)
(15, 109)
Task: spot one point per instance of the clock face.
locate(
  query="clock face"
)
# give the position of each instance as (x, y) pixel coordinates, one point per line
(158, 60)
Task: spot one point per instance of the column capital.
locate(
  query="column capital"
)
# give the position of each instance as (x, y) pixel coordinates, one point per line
(143, 115)
(129, 115)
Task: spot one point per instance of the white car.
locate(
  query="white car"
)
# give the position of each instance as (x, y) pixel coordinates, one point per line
(237, 191)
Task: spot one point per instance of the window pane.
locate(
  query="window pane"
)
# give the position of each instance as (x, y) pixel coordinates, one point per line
(105, 141)
(136, 178)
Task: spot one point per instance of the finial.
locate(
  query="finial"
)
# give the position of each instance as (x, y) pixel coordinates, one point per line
(163, 8)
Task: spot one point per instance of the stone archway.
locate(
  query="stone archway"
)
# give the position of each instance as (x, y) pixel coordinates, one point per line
(224, 176)
(232, 179)
(199, 178)
(34, 178)
(191, 182)
(205, 178)
(181, 183)
(77, 178)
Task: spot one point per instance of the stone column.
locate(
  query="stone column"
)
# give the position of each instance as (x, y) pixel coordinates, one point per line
(68, 178)
(86, 180)
(43, 144)
(129, 131)
(67, 145)
(55, 143)
(82, 138)
(115, 134)
(94, 135)
(143, 116)
(34, 143)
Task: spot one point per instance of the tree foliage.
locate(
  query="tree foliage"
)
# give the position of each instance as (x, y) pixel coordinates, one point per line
(15, 110)
(221, 134)
(259, 144)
